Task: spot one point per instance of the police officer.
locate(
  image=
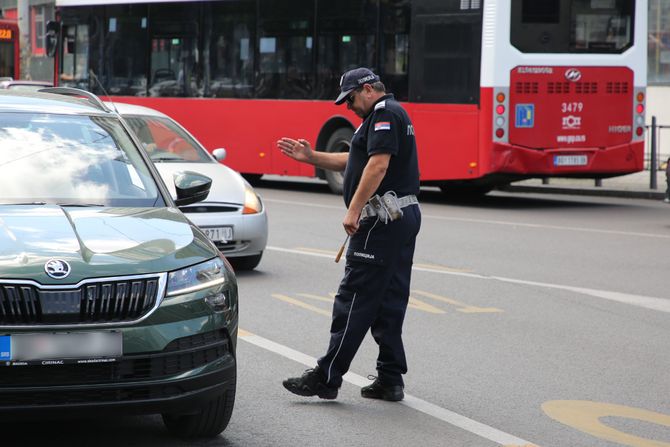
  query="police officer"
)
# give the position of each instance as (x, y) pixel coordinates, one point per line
(381, 181)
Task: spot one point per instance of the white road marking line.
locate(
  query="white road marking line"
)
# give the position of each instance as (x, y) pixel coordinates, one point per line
(646, 302)
(455, 419)
(495, 222)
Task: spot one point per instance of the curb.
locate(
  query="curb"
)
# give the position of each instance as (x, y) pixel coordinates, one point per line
(631, 194)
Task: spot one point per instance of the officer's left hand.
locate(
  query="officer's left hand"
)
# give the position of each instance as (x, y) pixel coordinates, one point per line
(351, 221)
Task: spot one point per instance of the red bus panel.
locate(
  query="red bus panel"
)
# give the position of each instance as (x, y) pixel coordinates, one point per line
(554, 107)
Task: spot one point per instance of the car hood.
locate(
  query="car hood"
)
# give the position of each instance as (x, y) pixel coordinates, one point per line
(96, 242)
(227, 185)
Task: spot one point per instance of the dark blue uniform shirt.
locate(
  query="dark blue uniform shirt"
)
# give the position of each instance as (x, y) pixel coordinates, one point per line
(386, 130)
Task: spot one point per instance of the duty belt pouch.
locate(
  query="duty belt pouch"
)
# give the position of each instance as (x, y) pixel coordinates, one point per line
(386, 207)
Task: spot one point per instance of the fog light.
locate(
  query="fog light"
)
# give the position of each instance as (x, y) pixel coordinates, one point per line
(217, 301)
(500, 133)
(639, 131)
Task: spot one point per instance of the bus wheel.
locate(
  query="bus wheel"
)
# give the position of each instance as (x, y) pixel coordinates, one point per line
(339, 141)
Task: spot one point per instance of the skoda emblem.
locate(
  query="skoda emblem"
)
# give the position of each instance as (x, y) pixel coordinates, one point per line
(573, 75)
(57, 268)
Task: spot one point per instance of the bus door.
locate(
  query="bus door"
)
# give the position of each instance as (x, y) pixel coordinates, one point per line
(445, 55)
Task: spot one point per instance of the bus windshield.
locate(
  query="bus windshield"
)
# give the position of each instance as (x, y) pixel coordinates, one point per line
(572, 26)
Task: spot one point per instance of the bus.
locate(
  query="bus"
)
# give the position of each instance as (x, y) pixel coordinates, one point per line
(498, 90)
(9, 49)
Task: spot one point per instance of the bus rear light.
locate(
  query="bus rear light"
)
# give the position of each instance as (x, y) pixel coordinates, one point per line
(640, 108)
(639, 131)
(500, 109)
(500, 121)
(640, 97)
(500, 97)
(500, 133)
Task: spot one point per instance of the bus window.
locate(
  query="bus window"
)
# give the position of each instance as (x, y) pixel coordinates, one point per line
(346, 39)
(229, 36)
(394, 46)
(567, 26)
(125, 43)
(446, 54)
(285, 49)
(174, 59)
(75, 56)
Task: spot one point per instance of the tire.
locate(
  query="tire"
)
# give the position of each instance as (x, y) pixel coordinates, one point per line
(211, 419)
(246, 262)
(339, 141)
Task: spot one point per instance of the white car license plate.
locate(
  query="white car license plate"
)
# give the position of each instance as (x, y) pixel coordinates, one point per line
(219, 234)
(570, 160)
(60, 346)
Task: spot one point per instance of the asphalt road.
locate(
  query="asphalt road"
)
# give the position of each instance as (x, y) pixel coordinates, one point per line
(534, 320)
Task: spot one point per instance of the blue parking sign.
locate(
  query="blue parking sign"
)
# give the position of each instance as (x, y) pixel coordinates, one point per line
(525, 115)
(5, 347)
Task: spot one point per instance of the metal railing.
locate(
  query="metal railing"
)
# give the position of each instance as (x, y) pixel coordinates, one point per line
(653, 157)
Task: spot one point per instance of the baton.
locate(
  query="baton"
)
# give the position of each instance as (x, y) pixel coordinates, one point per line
(339, 253)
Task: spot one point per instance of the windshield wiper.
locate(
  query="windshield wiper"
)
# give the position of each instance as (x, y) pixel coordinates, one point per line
(79, 204)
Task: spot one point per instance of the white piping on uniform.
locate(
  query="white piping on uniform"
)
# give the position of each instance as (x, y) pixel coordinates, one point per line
(343, 335)
(368, 236)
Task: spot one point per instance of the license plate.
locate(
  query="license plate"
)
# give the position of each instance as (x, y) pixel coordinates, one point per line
(219, 234)
(570, 160)
(81, 345)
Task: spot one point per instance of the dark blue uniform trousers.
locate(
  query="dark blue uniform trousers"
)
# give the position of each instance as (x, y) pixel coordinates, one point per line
(373, 295)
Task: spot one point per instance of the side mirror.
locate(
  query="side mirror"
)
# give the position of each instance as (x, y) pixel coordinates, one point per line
(51, 37)
(219, 154)
(191, 187)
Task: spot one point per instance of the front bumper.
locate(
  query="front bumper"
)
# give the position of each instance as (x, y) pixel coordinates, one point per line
(188, 372)
(250, 231)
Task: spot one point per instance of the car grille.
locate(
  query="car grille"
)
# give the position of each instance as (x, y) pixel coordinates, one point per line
(106, 301)
(180, 356)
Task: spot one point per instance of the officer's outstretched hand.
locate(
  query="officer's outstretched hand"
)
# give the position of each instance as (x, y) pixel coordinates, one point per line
(299, 150)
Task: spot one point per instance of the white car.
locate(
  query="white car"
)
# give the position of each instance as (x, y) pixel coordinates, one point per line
(233, 215)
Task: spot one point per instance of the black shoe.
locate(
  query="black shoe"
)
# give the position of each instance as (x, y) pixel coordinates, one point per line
(377, 390)
(311, 383)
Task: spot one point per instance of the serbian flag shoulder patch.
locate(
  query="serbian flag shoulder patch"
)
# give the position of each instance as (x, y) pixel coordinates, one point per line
(383, 125)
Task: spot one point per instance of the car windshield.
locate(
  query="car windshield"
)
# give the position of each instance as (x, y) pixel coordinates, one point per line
(71, 160)
(165, 141)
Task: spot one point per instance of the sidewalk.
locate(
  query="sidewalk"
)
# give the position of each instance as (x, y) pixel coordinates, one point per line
(631, 186)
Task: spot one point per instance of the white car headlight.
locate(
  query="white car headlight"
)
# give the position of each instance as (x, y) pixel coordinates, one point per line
(252, 203)
(197, 277)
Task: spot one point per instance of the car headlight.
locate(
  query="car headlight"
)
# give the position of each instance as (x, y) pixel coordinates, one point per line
(197, 277)
(252, 203)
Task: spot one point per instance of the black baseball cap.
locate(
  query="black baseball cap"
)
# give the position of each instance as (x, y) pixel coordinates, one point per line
(353, 79)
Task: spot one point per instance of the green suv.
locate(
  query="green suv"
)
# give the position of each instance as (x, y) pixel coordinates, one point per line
(110, 299)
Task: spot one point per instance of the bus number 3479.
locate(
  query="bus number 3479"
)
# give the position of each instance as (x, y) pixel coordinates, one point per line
(572, 107)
